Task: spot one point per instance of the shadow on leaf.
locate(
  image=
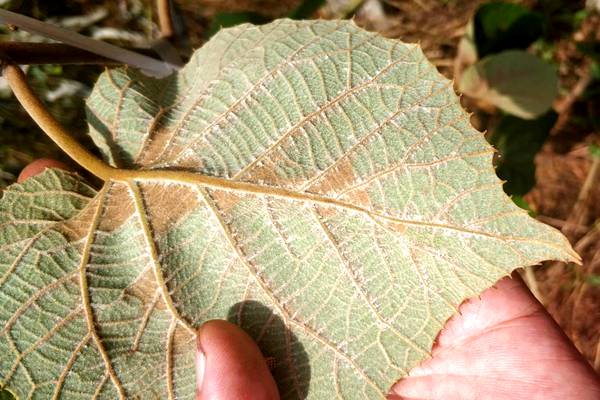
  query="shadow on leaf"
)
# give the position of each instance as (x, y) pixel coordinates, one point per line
(288, 360)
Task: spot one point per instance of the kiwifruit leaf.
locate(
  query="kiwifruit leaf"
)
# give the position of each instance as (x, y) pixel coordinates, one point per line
(314, 183)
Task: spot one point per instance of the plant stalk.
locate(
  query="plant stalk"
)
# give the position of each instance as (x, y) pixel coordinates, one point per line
(40, 114)
(165, 19)
(580, 211)
(27, 53)
(148, 64)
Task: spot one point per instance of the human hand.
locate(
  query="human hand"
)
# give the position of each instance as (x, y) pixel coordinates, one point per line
(503, 345)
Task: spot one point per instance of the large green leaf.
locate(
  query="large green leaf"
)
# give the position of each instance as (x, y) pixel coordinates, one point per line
(317, 184)
(515, 81)
(499, 26)
(518, 141)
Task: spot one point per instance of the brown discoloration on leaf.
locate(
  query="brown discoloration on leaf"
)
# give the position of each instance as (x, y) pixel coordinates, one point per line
(145, 289)
(181, 340)
(325, 212)
(187, 161)
(76, 228)
(336, 179)
(360, 197)
(118, 207)
(226, 201)
(266, 173)
(167, 204)
(159, 140)
(392, 226)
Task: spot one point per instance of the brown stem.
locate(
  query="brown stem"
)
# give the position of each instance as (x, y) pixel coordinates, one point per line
(25, 53)
(40, 114)
(559, 223)
(528, 276)
(564, 108)
(164, 45)
(165, 19)
(580, 211)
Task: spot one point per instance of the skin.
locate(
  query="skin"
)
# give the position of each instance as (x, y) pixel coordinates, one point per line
(38, 166)
(502, 345)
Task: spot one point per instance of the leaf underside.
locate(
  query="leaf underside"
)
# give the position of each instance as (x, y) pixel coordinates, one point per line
(368, 211)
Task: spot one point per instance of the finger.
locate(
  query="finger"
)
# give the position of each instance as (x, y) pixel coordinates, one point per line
(229, 365)
(38, 166)
(508, 300)
(502, 345)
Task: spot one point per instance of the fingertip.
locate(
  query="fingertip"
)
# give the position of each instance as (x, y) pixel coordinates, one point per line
(229, 364)
(38, 166)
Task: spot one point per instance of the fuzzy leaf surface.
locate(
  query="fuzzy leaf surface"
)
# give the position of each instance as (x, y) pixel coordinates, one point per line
(316, 184)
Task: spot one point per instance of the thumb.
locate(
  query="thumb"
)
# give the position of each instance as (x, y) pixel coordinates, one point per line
(38, 166)
(229, 365)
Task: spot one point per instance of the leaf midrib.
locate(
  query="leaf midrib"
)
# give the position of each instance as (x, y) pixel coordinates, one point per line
(192, 178)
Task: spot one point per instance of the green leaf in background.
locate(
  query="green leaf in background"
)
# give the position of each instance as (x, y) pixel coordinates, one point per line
(307, 8)
(515, 81)
(594, 150)
(316, 184)
(595, 70)
(231, 19)
(500, 26)
(521, 202)
(593, 280)
(590, 49)
(518, 141)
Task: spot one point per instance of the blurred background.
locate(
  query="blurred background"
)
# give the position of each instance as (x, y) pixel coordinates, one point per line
(529, 72)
